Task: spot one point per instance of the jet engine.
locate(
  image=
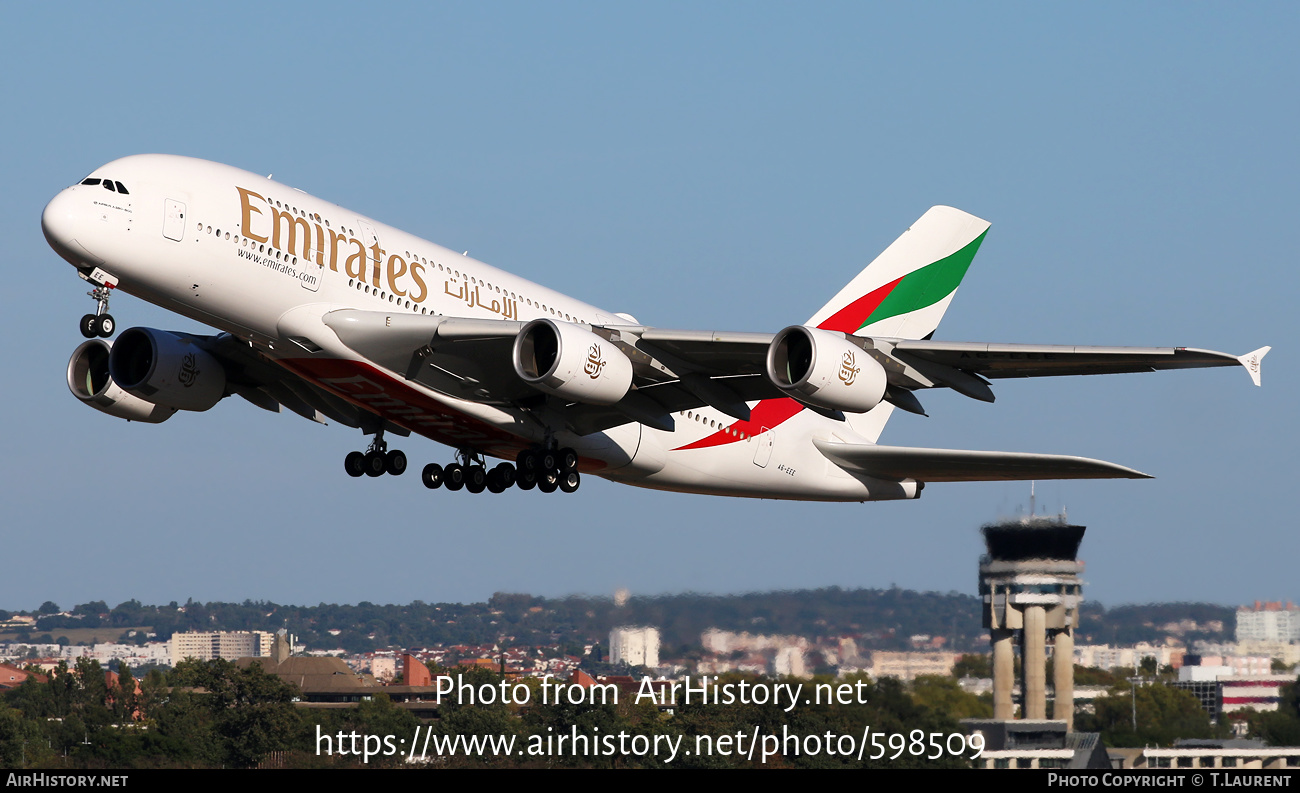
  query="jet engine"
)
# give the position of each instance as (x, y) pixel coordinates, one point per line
(89, 381)
(825, 369)
(565, 360)
(167, 369)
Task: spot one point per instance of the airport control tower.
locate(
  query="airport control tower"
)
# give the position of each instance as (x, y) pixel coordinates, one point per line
(1029, 581)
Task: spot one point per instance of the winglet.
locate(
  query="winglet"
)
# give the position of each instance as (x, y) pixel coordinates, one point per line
(1251, 361)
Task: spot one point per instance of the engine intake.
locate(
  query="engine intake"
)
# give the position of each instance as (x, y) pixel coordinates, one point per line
(166, 369)
(89, 381)
(825, 369)
(571, 362)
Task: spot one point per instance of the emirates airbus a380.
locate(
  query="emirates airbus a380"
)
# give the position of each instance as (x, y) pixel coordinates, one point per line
(336, 316)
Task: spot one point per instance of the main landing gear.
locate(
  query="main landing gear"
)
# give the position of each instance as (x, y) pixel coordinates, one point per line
(100, 323)
(470, 473)
(545, 469)
(376, 460)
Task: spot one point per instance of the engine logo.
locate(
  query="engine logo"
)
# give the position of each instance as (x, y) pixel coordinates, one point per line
(189, 373)
(849, 372)
(595, 363)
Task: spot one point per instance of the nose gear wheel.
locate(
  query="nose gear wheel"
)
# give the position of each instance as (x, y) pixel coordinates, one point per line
(101, 323)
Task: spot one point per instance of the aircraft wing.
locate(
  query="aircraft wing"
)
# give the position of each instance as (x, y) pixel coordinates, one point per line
(676, 370)
(464, 358)
(471, 359)
(272, 387)
(896, 463)
(1030, 360)
(718, 353)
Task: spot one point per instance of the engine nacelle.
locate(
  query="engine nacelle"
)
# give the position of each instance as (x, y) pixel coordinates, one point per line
(565, 360)
(166, 369)
(89, 381)
(825, 369)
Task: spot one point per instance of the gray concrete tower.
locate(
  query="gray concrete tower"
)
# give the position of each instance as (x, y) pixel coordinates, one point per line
(1029, 581)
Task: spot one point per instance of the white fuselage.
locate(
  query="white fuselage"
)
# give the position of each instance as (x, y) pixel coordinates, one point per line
(265, 262)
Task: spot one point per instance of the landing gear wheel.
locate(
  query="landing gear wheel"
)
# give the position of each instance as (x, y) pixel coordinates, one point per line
(106, 325)
(507, 473)
(89, 326)
(526, 480)
(475, 479)
(548, 481)
(548, 460)
(495, 482)
(374, 463)
(568, 460)
(453, 476)
(395, 462)
(569, 481)
(527, 461)
(431, 476)
(355, 464)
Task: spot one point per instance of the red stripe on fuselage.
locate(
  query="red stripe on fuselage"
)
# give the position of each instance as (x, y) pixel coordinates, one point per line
(765, 415)
(768, 413)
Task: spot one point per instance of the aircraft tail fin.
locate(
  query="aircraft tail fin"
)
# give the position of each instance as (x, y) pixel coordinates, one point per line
(905, 291)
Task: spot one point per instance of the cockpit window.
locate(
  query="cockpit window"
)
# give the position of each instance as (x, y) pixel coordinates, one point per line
(110, 185)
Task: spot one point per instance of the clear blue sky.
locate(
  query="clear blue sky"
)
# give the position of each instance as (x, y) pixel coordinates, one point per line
(722, 165)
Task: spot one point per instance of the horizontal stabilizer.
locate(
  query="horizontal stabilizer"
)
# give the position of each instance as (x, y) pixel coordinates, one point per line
(896, 463)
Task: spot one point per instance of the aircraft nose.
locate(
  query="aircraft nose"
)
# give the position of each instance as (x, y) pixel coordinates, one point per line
(60, 219)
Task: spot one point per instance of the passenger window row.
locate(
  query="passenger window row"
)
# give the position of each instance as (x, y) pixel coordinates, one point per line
(361, 285)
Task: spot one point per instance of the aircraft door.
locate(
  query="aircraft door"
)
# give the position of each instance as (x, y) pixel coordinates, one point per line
(764, 451)
(310, 275)
(370, 240)
(173, 219)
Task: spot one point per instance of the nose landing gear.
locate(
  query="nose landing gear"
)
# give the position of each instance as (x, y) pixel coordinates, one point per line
(100, 323)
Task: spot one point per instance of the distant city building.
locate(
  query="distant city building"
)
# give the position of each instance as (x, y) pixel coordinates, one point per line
(634, 646)
(909, 666)
(1225, 684)
(319, 679)
(384, 669)
(725, 642)
(1286, 652)
(789, 663)
(1253, 692)
(1210, 753)
(1268, 622)
(13, 677)
(1035, 743)
(1228, 664)
(1104, 656)
(229, 645)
